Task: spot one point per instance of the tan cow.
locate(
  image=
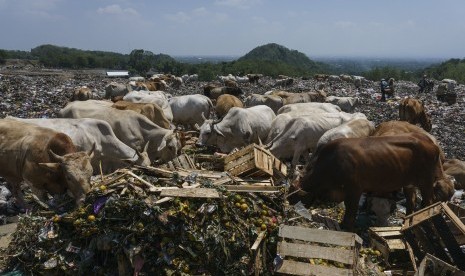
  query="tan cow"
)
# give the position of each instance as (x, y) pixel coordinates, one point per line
(225, 102)
(82, 93)
(413, 111)
(45, 159)
(456, 168)
(149, 110)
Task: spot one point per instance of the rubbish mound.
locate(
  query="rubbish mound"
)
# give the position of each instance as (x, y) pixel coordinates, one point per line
(125, 229)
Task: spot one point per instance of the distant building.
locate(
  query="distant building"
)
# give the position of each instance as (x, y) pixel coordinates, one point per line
(118, 74)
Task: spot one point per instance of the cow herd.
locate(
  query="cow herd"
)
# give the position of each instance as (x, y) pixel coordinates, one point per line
(137, 122)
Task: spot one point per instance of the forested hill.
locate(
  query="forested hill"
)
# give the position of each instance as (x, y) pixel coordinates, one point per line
(275, 53)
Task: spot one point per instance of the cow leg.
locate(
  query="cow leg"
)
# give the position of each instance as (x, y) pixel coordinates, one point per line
(426, 195)
(411, 199)
(295, 160)
(351, 204)
(14, 185)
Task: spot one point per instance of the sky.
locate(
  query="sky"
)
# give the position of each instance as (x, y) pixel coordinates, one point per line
(317, 28)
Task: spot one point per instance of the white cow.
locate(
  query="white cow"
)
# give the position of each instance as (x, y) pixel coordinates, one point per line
(132, 128)
(301, 134)
(355, 128)
(188, 109)
(308, 108)
(109, 151)
(157, 97)
(346, 104)
(115, 89)
(240, 127)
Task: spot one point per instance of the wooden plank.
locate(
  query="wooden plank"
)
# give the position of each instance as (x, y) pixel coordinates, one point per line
(196, 192)
(252, 188)
(396, 244)
(6, 232)
(159, 189)
(248, 158)
(454, 249)
(258, 241)
(317, 235)
(410, 238)
(301, 250)
(434, 238)
(228, 158)
(421, 215)
(296, 268)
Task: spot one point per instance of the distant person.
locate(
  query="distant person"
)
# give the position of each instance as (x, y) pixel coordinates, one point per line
(422, 84)
(385, 89)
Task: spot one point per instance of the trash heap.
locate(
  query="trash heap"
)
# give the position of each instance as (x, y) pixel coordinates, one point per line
(126, 226)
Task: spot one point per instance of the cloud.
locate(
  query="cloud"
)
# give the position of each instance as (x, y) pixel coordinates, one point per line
(183, 17)
(345, 24)
(240, 4)
(179, 17)
(117, 10)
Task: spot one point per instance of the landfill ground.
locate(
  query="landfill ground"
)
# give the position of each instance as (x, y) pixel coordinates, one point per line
(30, 92)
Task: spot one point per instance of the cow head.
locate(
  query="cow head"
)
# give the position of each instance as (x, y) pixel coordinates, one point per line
(209, 133)
(169, 147)
(443, 189)
(76, 170)
(425, 121)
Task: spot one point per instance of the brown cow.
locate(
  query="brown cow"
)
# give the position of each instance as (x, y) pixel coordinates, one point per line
(402, 127)
(456, 168)
(149, 110)
(413, 111)
(230, 83)
(225, 102)
(152, 85)
(346, 168)
(82, 93)
(45, 159)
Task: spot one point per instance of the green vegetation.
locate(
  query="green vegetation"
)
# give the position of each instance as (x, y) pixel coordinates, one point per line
(451, 69)
(270, 59)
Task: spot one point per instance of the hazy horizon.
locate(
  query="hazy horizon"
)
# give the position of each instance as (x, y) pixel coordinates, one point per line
(319, 28)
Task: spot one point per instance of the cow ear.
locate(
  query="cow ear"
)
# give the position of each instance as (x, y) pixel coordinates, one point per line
(52, 167)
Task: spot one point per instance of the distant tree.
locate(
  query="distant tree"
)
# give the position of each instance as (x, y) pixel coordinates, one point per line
(3, 56)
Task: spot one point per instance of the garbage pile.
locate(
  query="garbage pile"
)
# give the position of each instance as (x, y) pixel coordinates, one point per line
(125, 228)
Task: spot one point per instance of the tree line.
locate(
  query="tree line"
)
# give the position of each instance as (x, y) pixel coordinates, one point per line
(271, 60)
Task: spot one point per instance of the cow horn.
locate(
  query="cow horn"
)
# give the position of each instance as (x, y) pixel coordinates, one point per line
(56, 156)
(218, 131)
(260, 142)
(196, 126)
(91, 152)
(146, 146)
(203, 116)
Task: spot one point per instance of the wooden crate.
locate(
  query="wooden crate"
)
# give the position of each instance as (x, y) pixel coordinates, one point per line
(254, 161)
(390, 242)
(183, 161)
(298, 245)
(431, 265)
(429, 231)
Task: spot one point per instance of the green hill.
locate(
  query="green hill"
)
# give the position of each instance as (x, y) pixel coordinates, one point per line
(276, 54)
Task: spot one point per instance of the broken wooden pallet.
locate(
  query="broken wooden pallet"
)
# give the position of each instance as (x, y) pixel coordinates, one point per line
(428, 231)
(390, 242)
